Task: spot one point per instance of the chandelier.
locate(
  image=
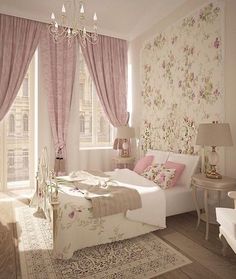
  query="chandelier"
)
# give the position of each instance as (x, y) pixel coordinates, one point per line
(74, 24)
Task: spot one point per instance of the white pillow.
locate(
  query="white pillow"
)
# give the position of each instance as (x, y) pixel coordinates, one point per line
(160, 157)
(191, 163)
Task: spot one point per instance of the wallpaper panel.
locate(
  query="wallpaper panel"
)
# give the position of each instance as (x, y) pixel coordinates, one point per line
(182, 80)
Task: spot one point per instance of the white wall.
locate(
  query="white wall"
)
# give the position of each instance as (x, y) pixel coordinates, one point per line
(230, 82)
(230, 73)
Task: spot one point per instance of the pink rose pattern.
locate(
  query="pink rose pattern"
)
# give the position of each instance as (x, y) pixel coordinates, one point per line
(182, 73)
(160, 175)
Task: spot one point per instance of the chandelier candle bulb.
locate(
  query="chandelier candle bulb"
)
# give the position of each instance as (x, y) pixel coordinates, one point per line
(95, 17)
(82, 9)
(63, 10)
(52, 16)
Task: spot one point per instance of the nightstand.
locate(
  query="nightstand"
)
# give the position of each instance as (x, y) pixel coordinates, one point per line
(123, 162)
(200, 181)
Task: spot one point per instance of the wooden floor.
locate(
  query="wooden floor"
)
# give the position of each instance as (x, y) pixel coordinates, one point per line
(206, 257)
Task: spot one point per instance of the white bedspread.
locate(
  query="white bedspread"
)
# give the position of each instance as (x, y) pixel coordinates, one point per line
(153, 211)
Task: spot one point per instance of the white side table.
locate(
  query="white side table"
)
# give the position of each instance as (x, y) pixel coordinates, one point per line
(200, 181)
(123, 162)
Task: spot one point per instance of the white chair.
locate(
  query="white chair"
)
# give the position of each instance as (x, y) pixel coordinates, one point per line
(226, 217)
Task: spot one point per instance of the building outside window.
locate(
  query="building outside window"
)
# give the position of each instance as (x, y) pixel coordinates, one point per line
(11, 127)
(25, 123)
(17, 137)
(11, 159)
(25, 158)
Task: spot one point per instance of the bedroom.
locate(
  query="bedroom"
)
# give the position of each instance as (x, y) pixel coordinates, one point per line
(84, 159)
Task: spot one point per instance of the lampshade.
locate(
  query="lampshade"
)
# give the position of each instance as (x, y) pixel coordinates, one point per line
(125, 132)
(214, 134)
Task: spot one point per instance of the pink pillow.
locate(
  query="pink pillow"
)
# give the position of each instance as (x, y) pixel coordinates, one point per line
(143, 163)
(179, 168)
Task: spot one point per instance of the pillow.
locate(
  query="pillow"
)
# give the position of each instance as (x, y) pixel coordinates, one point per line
(160, 175)
(143, 163)
(179, 168)
(191, 163)
(160, 157)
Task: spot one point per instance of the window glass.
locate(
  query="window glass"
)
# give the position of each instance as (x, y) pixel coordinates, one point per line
(25, 123)
(17, 140)
(11, 127)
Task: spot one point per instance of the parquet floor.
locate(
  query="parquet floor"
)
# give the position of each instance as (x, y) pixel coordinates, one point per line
(207, 261)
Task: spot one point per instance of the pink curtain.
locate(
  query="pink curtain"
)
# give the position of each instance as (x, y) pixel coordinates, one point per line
(58, 72)
(107, 64)
(18, 40)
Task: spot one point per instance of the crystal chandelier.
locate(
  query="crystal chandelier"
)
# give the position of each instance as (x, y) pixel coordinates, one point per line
(73, 25)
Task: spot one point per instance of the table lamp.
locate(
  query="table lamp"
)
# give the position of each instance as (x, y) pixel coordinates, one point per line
(214, 134)
(125, 133)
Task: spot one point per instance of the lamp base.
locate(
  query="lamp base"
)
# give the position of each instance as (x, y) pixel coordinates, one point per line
(213, 174)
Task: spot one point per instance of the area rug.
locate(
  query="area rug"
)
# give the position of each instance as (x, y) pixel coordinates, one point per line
(142, 257)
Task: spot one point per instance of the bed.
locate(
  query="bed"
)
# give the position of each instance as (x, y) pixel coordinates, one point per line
(71, 213)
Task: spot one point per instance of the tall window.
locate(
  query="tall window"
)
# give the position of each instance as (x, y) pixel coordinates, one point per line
(17, 149)
(95, 129)
(25, 123)
(18, 141)
(11, 129)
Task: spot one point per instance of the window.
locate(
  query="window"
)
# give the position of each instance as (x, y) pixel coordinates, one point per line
(90, 124)
(95, 129)
(82, 123)
(17, 135)
(11, 159)
(25, 158)
(25, 123)
(81, 91)
(102, 124)
(25, 87)
(11, 128)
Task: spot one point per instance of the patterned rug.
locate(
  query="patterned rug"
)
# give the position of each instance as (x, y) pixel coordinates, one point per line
(142, 257)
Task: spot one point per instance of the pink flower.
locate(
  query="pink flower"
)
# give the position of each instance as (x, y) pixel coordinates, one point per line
(217, 43)
(72, 214)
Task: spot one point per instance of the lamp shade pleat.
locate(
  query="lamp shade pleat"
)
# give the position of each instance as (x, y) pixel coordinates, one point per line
(214, 134)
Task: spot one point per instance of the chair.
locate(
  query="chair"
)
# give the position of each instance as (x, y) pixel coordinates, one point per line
(226, 217)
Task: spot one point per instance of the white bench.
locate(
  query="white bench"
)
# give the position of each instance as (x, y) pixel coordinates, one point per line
(226, 217)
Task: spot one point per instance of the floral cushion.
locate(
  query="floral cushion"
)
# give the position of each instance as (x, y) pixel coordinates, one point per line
(160, 175)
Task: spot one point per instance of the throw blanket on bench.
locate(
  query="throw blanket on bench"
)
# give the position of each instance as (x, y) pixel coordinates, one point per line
(109, 200)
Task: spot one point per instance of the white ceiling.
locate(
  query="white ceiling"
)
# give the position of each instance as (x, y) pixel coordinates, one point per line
(125, 19)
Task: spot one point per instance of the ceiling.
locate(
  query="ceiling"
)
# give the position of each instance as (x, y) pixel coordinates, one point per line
(125, 19)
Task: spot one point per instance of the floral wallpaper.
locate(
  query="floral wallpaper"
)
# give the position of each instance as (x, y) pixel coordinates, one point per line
(182, 80)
